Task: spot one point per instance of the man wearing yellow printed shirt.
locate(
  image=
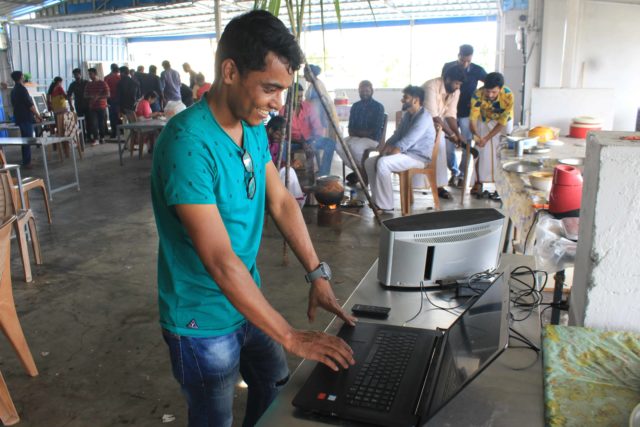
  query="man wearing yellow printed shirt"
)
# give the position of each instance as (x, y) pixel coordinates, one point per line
(491, 116)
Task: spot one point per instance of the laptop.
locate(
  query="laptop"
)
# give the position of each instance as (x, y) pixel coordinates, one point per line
(403, 376)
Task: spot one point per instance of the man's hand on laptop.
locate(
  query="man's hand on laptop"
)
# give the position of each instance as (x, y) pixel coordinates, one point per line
(322, 347)
(321, 294)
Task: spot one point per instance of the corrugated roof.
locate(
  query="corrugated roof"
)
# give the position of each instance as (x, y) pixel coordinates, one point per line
(197, 17)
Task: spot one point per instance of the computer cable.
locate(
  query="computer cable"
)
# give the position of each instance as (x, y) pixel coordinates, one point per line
(527, 296)
(533, 225)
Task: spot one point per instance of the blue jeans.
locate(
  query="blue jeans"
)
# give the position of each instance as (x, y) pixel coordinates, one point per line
(207, 370)
(26, 131)
(452, 164)
(465, 130)
(328, 147)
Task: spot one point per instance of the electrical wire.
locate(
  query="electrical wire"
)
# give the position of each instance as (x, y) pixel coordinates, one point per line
(533, 225)
(527, 296)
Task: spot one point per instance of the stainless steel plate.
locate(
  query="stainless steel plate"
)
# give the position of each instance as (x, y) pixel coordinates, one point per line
(574, 161)
(521, 166)
(537, 150)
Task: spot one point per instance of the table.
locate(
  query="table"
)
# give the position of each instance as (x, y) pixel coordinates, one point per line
(43, 142)
(140, 126)
(499, 396)
(518, 197)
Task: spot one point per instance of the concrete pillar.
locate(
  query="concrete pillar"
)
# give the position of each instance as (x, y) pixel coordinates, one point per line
(606, 290)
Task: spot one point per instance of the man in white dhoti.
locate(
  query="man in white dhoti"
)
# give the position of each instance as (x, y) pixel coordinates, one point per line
(410, 147)
(441, 101)
(491, 116)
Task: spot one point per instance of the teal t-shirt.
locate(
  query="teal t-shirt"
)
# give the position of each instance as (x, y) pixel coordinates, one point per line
(196, 162)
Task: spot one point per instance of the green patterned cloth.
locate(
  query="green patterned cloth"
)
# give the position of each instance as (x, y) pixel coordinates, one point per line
(591, 377)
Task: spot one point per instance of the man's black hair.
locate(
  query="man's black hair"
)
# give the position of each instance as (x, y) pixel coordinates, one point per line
(414, 91)
(16, 76)
(76, 70)
(114, 67)
(276, 122)
(152, 69)
(455, 74)
(92, 70)
(150, 94)
(366, 83)
(124, 70)
(248, 38)
(493, 80)
(466, 50)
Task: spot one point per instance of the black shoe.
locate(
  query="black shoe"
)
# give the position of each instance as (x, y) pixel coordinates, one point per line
(352, 179)
(444, 194)
(453, 181)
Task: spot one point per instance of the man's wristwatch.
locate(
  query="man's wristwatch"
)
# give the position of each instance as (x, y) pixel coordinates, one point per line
(322, 270)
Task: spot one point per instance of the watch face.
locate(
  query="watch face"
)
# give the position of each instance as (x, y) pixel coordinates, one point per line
(326, 270)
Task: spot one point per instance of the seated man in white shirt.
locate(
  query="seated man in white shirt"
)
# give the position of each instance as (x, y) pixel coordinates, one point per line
(409, 147)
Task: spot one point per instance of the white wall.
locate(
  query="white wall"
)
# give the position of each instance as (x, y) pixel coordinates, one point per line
(594, 44)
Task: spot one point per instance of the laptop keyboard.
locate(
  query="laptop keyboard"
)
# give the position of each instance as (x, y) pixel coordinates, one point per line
(379, 377)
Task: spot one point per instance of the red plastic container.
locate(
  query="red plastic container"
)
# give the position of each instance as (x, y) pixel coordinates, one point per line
(578, 130)
(565, 197)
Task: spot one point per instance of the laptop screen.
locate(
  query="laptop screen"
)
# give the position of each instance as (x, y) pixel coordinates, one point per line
(473, 341)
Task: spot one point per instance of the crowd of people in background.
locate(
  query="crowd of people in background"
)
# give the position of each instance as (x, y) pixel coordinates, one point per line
(105, 102)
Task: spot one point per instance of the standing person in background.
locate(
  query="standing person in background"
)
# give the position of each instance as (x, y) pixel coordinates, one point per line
(186, 95)
(203, 86)
(112, 80)
(491, 116)
(314, 98)
(97, 93)
(151, 82)
(76, 93)
(212, 179)
(128, 91)
(192, 74)
(56, 96)
(473, 73)
(172, 96)
(25, 114)
(441, 100)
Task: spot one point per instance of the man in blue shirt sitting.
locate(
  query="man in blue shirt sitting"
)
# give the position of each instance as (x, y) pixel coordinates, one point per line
(410, 147)
(211, 180)
(366, 120)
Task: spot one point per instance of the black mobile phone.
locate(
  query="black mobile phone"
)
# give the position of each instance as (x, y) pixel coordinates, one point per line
(373, 311)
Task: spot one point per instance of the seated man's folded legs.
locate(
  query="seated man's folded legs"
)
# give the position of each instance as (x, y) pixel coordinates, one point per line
(379, 170)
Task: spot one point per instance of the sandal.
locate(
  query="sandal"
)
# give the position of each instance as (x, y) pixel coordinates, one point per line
(476, 189)
(444, 194)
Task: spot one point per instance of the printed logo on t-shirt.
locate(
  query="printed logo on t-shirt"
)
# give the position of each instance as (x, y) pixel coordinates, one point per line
(192, 324)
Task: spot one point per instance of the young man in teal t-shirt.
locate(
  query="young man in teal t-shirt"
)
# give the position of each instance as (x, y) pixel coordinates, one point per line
(212, 178)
